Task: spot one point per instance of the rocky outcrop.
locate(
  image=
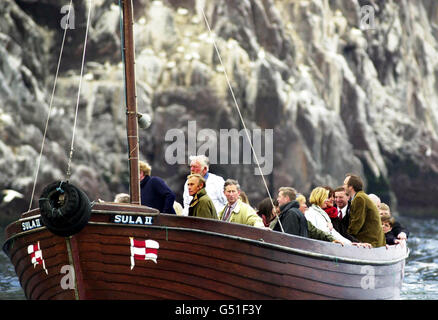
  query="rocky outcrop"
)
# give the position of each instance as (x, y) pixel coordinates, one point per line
(345, 86)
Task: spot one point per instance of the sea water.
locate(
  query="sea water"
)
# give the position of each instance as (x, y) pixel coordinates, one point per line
(421, 270)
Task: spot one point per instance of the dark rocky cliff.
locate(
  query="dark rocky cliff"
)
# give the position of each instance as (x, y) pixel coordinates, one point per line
(339, 95)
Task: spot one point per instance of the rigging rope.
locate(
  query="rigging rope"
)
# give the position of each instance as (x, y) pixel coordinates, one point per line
(53, 95)
(238, 110)
(79, 91)
(50, 107)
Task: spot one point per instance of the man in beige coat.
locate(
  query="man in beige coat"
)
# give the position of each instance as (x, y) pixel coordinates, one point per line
(236, 210)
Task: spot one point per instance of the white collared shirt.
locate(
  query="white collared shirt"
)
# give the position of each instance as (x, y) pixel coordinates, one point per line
(343, 212)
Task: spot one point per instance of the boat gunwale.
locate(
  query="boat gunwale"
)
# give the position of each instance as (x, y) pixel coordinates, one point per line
(259, 242)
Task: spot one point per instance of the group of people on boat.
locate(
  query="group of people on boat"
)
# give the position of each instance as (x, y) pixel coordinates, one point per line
(345, 215)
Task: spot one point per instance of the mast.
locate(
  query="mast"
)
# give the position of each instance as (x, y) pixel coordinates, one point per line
(131, 101)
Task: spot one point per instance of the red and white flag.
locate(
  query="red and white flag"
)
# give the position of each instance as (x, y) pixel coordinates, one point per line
(143, 250)
(36, 255)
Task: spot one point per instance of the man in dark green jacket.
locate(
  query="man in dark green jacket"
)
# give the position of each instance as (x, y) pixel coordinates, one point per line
(201, 204)
(365, 224)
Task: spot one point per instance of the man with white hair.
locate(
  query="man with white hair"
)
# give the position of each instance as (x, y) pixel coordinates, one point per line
(375, 199)
(214, 184)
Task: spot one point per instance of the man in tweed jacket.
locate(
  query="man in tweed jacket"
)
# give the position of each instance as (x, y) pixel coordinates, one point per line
(365, 224)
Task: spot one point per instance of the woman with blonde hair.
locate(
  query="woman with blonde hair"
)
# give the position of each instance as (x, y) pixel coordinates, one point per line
(302, 201)
(244, 197)
(384, 210)
(154, 191)
(318, 217)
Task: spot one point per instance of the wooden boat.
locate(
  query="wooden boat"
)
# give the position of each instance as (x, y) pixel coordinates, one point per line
(129, 251)
(197, 259)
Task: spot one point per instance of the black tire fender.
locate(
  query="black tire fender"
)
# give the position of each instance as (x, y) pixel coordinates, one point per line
(64, 208)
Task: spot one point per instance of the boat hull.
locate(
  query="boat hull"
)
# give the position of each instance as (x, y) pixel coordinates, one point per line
(196, 259)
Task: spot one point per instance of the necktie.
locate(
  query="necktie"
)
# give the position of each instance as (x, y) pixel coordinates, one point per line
(340, 213)
(227, 214)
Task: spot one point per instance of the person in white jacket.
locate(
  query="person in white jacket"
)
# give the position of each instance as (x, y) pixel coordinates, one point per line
(318, 217)
(214, 184)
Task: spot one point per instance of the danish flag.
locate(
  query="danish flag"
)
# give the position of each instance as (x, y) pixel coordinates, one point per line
(143, 250)
(36, 255)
